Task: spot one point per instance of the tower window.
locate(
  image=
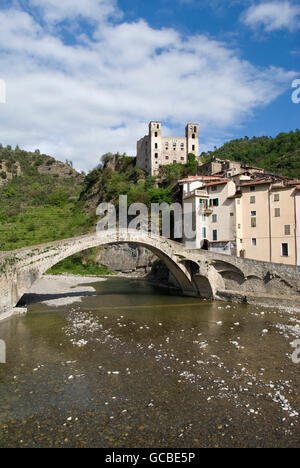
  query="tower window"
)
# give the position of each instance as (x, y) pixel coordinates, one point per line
(195, 129)
(193, 136)
(156, 155)
(155, 134)
(193, 148)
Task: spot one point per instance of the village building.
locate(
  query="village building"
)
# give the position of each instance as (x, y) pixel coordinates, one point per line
(266, 221)
(212, 205)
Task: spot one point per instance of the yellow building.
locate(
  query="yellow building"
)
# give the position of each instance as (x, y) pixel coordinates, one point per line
(266, 222)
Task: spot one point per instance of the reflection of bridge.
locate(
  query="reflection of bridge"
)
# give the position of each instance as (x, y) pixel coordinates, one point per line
(198, 272)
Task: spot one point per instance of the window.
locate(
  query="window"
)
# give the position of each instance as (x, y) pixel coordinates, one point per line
(193, 136)
(254, 242)
(253, 222)
(204, 218)
(155, 134)
(174, 144)
(167, 157)
(287, 230)
(182, 145)
(239, 226)
(215, 202)
(253, 213)
(284, 250)
(215, 235)
(204, 232)
(195, 129)
(214, 188)
(156, 145)
(157, 125)
(214, 218)
(277, 213)
(182, 159)
(252, 200)
(252, 188)
(166, 143)
(156, 155)
(238, 202)
(276, 197)
(193, 148)
(231, 214)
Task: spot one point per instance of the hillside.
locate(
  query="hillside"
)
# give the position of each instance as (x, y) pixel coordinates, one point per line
(280, 155)
(38, 199)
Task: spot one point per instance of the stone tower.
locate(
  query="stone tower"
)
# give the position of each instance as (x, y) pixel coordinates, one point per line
(154, 150)
(192, 138)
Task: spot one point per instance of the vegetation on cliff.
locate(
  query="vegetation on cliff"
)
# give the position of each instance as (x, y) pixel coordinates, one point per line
(280, 155)
(36, 207)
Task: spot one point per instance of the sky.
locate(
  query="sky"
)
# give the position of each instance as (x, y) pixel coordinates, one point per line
(83, 78)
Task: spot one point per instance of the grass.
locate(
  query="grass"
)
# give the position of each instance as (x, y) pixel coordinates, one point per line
(73, 265)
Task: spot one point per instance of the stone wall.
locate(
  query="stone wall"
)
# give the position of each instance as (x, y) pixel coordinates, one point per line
(126, 258)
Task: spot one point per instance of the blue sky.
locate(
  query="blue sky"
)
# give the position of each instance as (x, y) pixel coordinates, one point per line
(84, 78)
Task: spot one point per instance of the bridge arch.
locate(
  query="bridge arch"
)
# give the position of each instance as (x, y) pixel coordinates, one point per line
(30, 264)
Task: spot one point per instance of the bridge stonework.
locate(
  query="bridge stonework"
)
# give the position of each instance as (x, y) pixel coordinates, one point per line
(198, 273)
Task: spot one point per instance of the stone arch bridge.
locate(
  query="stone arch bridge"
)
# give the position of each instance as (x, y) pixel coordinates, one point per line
(198, 272)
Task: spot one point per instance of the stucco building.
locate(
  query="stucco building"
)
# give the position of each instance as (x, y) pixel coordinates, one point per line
(155, 150)
(257, 219)
(212, 204)
(266, 222)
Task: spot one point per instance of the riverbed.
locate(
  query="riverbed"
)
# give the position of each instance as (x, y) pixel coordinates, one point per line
(127, 364)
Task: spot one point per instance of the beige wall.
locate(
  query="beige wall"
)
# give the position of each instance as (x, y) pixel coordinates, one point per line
(286, 206)
(269, 232)
(261, 232)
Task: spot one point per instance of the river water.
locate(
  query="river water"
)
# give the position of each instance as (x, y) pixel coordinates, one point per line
(136, 366)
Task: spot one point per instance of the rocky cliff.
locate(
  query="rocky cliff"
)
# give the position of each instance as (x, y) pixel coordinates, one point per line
(126, 258)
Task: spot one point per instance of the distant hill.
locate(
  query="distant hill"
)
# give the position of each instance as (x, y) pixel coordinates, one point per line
(17, 162)
(280, 155)
(38, 199)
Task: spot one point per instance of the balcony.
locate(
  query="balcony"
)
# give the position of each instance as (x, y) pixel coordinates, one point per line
(207, 210)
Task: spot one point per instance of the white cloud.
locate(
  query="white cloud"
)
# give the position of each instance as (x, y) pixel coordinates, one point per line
(273, 16)
(59, 10)
(79, 101)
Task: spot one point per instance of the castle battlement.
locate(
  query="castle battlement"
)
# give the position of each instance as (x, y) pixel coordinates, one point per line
(154, 150)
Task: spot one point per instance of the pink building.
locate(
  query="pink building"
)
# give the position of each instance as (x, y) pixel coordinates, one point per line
(297, 211)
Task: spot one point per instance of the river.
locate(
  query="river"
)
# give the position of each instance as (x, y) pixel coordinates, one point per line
(137, 366)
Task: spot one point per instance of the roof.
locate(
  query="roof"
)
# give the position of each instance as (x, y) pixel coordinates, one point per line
(256, 182)
(194, 178)
(219, 182)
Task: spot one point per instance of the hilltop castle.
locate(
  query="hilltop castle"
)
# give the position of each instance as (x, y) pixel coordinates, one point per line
(154, 150)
